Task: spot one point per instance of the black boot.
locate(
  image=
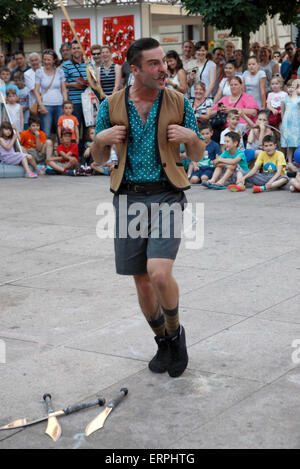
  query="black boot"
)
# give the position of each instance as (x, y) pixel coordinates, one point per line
(158, 364)
(177, 357)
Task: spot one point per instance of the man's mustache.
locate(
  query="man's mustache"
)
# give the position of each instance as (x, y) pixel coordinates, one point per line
(161, 76)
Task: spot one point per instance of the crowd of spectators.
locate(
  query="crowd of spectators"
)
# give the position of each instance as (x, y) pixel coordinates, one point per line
(257, 99)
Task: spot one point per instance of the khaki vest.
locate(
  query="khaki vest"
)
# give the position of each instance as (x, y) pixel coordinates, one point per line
(170, 111)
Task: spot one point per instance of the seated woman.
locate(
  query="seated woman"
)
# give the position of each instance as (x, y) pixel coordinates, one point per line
(177, 76)
(224, 87)
(237, 100)
(201, 104)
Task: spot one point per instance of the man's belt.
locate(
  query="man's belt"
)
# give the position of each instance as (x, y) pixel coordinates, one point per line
(146, 187)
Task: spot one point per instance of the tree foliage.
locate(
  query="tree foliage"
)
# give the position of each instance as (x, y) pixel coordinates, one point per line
(17, 17)
(242, 17)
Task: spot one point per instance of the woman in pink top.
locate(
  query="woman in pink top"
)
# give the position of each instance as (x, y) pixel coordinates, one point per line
(237, 100)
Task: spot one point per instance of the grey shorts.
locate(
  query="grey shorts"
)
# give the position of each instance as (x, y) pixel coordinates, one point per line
(146, 229)
(39, 156)
(258, 179)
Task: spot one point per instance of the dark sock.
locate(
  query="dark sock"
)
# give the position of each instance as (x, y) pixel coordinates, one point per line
(158, 325)
(172, 320)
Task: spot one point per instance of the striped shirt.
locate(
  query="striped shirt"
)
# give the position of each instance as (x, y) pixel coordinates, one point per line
(108, 78)
(74, 71)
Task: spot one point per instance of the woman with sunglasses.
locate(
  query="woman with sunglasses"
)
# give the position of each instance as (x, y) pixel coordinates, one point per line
(50, 91)
(96, 55)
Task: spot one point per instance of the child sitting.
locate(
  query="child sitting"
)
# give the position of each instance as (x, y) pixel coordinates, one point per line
(14, 109)
(203, 170)
(273, 166)
(11, 157)
(233, 118)
(257, 133)
(35, 141)
(68, 121)
(19, 81)
(230, 164)
(67, 155)
(90, 136)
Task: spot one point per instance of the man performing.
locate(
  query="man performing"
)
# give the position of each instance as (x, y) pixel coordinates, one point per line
(147, 122)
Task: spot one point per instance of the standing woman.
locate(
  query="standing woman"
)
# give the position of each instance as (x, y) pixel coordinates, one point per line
(50, 90)
(177, 76)
(293, 73)
(206, 72)
(268, 65)
(239, 60)
(224, 87)
(109, 73)
(254, 82)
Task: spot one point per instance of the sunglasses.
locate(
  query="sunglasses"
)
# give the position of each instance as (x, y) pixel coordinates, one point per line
(49, 52)
(96, 53)
(289, 48)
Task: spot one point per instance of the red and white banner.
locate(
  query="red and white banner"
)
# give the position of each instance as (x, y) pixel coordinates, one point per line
(118, 33)
(83, 30)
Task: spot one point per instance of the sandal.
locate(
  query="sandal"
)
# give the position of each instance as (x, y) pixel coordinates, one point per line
(217, 186)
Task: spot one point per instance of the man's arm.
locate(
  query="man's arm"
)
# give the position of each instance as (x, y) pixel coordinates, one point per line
(188, 134)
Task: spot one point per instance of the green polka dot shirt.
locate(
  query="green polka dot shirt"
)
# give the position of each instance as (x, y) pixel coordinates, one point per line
(143, 164)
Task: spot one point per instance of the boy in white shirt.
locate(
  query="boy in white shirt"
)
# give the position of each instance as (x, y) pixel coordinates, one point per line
(233, 118)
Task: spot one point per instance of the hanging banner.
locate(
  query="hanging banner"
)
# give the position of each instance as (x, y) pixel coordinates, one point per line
(118, 33)
(82, 28)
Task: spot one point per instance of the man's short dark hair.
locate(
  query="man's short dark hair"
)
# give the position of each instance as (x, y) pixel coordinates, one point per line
(136, 49)
(19, 52)
(290, 43)
(235, 137)
(217, 48)
(268, 139)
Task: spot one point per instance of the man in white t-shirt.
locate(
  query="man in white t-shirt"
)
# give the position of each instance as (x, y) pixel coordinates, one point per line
(29, 75)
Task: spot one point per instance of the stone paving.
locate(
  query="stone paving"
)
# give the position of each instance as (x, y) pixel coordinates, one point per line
(71, 327)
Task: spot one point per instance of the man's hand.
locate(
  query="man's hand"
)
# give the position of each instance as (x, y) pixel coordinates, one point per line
(178, 134)
(112, 136)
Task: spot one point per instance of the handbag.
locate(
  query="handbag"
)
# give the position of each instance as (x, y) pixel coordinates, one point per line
(218, 121)
(34, 110)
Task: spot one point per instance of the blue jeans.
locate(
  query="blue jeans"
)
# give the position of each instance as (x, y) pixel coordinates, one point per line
(50, 119)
